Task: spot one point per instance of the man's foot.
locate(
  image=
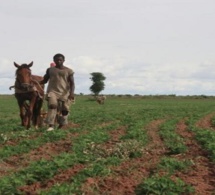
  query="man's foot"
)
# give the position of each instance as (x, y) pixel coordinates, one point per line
(50, 129)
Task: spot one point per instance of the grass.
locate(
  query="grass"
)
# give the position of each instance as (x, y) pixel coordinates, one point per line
(95, 125)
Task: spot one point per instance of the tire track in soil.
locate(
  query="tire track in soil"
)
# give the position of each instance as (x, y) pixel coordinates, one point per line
(130, 173)
(66, 175)
(47, 151)
(201, 175)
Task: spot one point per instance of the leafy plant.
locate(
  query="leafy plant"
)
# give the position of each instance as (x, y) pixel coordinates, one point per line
(207, 139)
(163, 186)
(172, 140)
(171, 164)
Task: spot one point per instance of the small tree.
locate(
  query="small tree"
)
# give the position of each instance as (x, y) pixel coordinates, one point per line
(98, 82)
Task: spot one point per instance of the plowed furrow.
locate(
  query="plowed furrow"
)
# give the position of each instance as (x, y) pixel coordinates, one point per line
(16, 141)
(63, 176)
(205, 122)
(130, 173)
(46, 151)
(202, 174)
(66, 175)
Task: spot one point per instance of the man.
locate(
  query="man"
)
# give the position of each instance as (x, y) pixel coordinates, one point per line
(60, 91)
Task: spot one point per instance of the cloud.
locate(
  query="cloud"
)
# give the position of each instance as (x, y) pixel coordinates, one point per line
(142, 47)
(129, 76)
(5, 83)
(7, 68)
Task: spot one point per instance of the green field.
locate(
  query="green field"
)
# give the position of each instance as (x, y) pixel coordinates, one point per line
(129, 145)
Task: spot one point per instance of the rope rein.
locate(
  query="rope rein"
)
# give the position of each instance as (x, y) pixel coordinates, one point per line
(38, 84)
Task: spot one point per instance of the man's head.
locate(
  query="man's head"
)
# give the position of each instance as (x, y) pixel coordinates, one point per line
(59, 59)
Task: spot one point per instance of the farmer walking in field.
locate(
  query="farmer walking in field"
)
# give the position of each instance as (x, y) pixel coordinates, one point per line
(60, 91)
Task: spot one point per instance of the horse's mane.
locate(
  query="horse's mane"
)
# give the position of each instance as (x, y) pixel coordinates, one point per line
(38, 78)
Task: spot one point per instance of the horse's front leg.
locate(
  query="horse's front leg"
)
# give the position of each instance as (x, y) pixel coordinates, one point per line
(22, 112)
(30, 111)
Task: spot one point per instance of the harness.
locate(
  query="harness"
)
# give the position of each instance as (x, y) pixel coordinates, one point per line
(30, 87)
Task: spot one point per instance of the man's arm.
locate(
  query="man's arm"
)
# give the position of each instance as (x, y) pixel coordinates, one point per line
(45, 77)
(72, 87)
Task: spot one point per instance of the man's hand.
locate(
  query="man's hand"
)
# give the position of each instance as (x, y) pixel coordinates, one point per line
(71, 97)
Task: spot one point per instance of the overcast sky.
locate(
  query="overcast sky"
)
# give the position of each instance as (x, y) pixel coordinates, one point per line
(145, 47)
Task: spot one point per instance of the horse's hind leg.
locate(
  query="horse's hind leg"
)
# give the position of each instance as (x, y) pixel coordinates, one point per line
(37, 112)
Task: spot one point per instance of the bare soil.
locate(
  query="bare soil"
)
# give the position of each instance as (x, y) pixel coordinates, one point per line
(130, 173)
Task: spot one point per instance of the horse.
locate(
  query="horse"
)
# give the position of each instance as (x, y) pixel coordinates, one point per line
(29, 94)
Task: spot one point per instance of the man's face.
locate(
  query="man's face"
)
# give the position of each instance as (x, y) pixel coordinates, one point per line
(59, 61)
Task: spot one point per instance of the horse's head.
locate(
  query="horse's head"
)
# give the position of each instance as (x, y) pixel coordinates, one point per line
(23, 75)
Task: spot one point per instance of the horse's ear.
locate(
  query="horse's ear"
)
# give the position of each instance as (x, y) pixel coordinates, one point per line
(16, 65)
(31, 64)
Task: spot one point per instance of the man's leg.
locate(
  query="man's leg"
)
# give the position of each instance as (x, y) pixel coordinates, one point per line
(65, 113)
(52, 111)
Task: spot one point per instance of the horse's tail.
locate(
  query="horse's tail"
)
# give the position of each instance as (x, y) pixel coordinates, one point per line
(13, 86)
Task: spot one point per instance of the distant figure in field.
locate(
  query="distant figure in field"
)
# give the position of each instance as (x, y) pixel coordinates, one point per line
(101, 99)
